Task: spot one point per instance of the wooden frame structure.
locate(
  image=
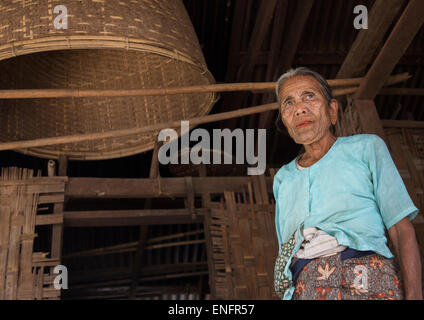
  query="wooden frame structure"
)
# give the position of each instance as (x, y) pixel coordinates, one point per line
(26, 274)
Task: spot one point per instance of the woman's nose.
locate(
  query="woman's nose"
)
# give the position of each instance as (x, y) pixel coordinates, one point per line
(300, 109)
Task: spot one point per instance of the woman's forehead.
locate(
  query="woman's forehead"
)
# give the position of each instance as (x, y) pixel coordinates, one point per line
(298, 84)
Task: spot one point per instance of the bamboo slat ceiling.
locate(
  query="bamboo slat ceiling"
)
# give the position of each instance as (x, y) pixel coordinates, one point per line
(225, 30)
(243, 41)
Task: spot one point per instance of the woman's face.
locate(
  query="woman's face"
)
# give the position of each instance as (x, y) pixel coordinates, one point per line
(305, 111)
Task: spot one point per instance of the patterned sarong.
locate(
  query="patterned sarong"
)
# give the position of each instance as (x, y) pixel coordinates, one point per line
(371, 277)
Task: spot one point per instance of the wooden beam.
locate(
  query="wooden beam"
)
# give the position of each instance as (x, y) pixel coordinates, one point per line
(82, 93)
(132, 131)
(114, 292)
(325, 58)
(399, 40)
(402, 91)
(294, 35)
(36, 181)
(222, 87)
(368, 117)
(157, 127)
(235, 42)
(174, 276)
(262, 23)
(79, 278)
(246, 69)
(143, 279)
(97, 277)
(368, 40)
(403, 124)
(396, 111)
(230, 101)
(104, 218)
(104, 188)
(133, 244)
(45, 219)
(273, 57)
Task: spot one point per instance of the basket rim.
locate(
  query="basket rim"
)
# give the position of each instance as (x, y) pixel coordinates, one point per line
(45, 153)
(78, 42)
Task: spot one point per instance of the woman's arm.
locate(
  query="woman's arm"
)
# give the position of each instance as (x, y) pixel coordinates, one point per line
(402, 235)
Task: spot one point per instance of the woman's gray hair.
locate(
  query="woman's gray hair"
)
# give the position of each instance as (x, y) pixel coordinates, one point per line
(303, 71)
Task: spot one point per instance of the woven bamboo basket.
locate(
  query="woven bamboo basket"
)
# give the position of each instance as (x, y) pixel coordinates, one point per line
(108, 45)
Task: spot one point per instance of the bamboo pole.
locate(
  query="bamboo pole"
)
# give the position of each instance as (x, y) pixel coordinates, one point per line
(226, 87)
(172, 124)
(129, 247)
(98, 251)
(131, 131)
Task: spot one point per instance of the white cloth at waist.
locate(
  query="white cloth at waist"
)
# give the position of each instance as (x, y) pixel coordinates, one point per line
(318, 243)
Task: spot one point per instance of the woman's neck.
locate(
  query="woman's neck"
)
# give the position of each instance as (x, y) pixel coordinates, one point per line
(315, 151)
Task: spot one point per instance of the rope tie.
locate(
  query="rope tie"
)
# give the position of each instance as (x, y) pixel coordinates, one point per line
(13, 49)
(69, 42)
(177, 54)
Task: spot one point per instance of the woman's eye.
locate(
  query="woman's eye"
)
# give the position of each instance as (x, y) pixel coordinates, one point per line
(310, 95)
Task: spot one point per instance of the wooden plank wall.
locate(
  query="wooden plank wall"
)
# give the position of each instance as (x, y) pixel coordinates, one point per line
(25, 274)
(243, 243)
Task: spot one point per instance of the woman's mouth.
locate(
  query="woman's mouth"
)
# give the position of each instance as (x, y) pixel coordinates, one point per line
(303, 124)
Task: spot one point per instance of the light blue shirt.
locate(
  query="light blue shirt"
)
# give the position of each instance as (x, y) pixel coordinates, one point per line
(353, 193)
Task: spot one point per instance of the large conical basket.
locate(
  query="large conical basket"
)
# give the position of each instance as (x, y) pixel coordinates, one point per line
(108, 44)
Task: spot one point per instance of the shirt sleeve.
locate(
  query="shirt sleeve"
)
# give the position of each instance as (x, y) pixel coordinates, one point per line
(390, 193)
(275, 188)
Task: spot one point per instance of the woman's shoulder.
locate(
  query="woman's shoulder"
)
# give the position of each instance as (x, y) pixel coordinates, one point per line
(361, 140)
(285, 171)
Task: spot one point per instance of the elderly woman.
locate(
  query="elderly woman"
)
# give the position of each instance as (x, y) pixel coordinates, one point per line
(333, 204)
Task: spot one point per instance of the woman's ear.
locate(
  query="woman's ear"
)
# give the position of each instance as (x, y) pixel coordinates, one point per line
(334, 108)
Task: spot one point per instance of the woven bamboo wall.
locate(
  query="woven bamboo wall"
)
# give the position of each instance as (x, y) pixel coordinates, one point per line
(243, 243)
(108, 45)
(407, 149)
(25, 274)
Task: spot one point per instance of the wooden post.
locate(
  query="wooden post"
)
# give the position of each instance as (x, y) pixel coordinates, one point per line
(144, 229)
(189, 200)
(206, 198)
(57, 232)
(368, 117)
